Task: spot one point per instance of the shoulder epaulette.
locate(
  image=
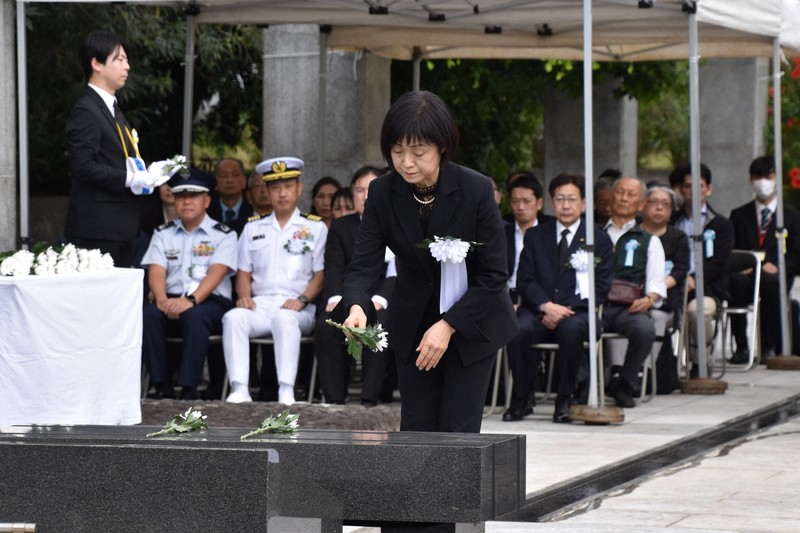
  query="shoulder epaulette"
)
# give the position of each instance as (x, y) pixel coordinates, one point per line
(166, 225)
(222, 227)
(309, 216)
(254, 218)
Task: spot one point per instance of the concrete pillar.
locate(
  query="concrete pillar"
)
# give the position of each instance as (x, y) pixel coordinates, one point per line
(8, 127)
(615, 130)
(357, 98)
(733, 115)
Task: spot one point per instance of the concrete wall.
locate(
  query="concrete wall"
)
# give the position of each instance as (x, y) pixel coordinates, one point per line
(8, 127)
(357, 98)
(614, 132)
(733, 116)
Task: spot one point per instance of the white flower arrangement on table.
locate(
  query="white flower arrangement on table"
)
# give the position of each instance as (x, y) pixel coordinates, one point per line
(54, 261)
(183, 423)
(373, 337)
(283, 423)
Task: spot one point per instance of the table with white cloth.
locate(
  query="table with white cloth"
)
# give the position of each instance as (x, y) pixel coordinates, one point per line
(71, 348)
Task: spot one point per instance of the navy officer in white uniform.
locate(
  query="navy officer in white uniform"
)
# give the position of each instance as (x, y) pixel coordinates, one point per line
(280, 273)
(190, 262)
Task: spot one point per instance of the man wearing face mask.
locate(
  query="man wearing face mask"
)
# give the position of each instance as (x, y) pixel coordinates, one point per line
(754, 229)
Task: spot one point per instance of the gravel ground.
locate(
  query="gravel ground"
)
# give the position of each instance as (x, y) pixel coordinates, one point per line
(248, 415)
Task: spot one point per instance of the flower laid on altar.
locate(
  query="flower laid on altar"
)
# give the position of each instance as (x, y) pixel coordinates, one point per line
(65, 259)
(373, 337)
(579, 260)
(183, 423)
(283, 423)
(448, 249)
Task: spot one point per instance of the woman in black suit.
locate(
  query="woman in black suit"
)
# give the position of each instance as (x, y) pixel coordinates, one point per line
(444, 356)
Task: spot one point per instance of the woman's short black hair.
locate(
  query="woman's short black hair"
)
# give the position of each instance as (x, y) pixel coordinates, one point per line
(419, 116)
(98, 45)
(567, 179)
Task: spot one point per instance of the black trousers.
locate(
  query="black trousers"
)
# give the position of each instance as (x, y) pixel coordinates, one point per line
(742, 294)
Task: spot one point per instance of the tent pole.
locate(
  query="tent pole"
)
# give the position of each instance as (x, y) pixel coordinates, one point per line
(780, 231)
(694, 157)
(188, 89)
(588, 159)
(22, 113)
(415, 60)
(323, 97)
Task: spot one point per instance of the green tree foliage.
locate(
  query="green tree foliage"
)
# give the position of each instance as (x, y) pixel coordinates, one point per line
(227, 66)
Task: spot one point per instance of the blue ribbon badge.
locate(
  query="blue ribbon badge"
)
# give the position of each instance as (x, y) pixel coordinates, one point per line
(708, 237)
(630, 247)
(668, 266)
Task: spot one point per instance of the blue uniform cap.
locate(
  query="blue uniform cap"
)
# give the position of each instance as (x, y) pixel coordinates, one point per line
(196, 181)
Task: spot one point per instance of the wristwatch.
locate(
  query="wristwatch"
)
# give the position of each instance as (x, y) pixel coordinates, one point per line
(192, 299)
(303, 298)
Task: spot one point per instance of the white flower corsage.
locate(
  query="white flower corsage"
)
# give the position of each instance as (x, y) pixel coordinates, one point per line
(579, 261)
(69, 260)
(450, 252)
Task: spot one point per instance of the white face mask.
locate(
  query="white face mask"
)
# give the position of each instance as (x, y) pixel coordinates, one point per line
(763, 188)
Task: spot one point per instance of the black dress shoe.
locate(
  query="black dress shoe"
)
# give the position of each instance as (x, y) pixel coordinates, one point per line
(369, 403)
(517, 411)
(561, 414)
(741, 357)
(622, 394)
(162, 392)
(188, 393)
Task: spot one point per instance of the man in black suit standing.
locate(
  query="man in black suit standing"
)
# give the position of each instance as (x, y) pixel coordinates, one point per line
(555, 301)
(754, 229)
(334, 361)
(104, 156)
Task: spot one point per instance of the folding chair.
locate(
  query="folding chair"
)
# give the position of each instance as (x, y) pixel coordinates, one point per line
(742, 260)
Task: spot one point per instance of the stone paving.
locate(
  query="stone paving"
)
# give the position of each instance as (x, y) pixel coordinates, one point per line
(749, 485)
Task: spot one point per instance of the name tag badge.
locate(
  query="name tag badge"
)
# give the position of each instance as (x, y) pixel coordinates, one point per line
(172, 255)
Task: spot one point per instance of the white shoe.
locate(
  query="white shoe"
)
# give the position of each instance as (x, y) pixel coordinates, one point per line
(239, 397)
(286, 394)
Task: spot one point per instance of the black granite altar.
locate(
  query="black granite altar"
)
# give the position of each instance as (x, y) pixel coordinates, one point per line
(350, 477)
(66, 478)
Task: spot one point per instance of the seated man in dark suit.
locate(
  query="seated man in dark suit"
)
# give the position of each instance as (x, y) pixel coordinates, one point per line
(525, 195)
(554, 296)
(333, 359)
(754, 229)
(717, 234)
(229, 205)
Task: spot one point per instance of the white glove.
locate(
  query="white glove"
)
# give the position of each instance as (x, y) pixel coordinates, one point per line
(142, 182)
(156, 168)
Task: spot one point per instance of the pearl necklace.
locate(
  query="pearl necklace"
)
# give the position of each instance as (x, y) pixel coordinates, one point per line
(422, 202)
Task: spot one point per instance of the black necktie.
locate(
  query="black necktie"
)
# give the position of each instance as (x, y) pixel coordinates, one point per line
(766, 215)
(563, 248)
(118, 116)
(230, 215)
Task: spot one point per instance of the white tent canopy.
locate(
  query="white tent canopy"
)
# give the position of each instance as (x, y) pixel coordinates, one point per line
(536, 29)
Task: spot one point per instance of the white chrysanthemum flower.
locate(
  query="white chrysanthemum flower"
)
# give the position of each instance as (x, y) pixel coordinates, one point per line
(19, 264)
(445, 249)
(580, 260)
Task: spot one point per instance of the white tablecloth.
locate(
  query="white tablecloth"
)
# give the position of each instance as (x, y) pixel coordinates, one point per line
(71, 348)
